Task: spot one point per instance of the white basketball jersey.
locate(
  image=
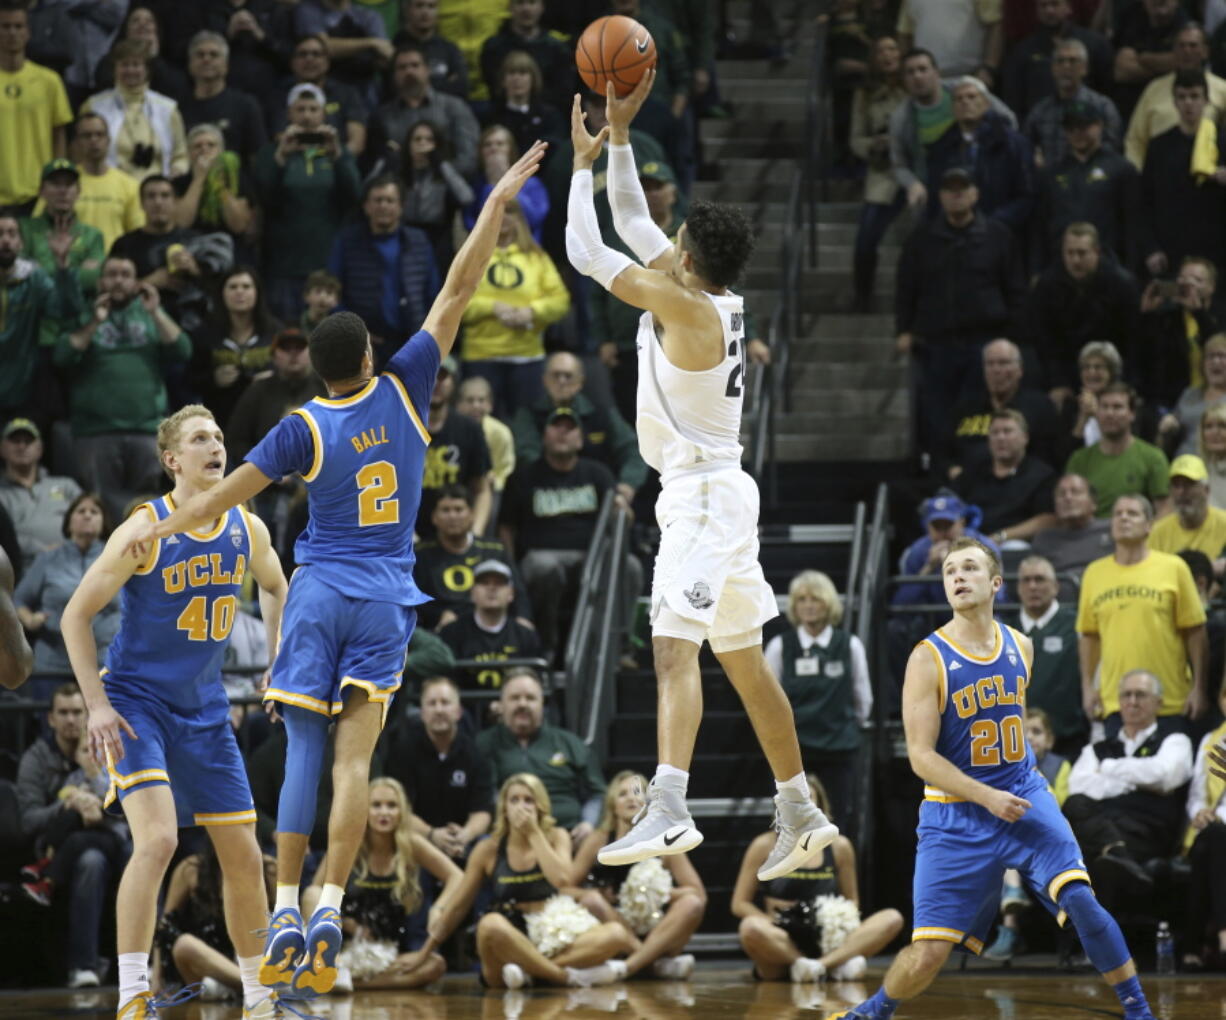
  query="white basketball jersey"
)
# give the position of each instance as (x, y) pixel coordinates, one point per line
(690, 418)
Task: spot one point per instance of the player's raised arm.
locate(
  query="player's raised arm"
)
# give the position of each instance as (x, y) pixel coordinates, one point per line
(631, 217)
(921, 715)
(470, 262)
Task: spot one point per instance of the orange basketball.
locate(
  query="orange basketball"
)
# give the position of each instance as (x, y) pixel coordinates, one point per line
(616, 49)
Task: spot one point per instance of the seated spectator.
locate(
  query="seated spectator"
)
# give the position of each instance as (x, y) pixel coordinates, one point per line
(1013, 489)
(1091, 184)
(236, 344)
(321, 296)
(1034, 62)
(959, 284)
(1182, 199)
(1213, 452)
(520, 295)
(550, 534)
(1205, 844)
(1055, 676)
(1099, 365)
(1119, 463)
(457, 455)
(1045, 123)
(966, 37)
(434, 190)
(113, 365)
(385, 903)
(212, 101)
(1005, 390)
(784, 939)
(824, 673)
(1180, 427)
(560, 759)
(1155, 111)
(1077, 538)
(489, 634)
(1075, 301)
(1140, 605)
(944, 517)
(110, 199)
(1144, 47)
(416, 99)
(872, 106)
(989, 148)
(216, 194)
(523, 33)
(496, 150)
(519, 103)
(387, 270)
(356, 38)
(60, 787)
(419, 25)
(308, 184)
(444, 564)
(35, 499)
(476, 401)
(143, 25)
(527, 859)
(1194, 524)
(344, 109)
(146, 128)
(447, 781)
(1126, 793)
(675, 913)
(1177, 318)
(48, 584)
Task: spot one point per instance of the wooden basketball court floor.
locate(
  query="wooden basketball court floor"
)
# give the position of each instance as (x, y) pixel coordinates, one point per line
(717, 991)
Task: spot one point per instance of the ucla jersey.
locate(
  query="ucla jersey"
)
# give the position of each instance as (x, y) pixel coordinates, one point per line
(177, 614)
(983, 709)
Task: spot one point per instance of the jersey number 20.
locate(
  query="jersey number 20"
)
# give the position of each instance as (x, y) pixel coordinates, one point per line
(988, 739)
(377, 487)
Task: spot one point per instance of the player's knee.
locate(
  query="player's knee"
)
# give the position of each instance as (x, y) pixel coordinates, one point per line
(157, 845)
(673, 655)
(1087, 915)
(928, 956)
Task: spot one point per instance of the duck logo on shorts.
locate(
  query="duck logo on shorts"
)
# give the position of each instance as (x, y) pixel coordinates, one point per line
(699, 596)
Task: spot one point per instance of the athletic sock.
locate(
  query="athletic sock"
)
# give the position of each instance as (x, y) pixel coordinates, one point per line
(797, 784)
(667, 775)
(879, 1007)
(287, 897)
(133, 975)
(331, 897)
(1132, 998)
(249, 969)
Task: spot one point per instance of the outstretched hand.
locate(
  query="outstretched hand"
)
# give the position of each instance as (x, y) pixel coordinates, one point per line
(587, 146)
(621, 111)
(518, 173)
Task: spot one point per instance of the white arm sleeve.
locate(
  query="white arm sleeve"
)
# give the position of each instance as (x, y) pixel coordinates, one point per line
(631, 217)
(584, 246)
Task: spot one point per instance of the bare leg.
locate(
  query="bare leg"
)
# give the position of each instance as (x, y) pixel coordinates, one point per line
(291, 854)
(769, 947)
(243, 891)
(357, 730)
(873, 935)
(915, 967)
(499, 942)
(430, 969)
(767, 707)
(310, 899)
(679, 699)
(195, 960)
(596, 945)
(670, 935)
(1121, 973)
(155, 834)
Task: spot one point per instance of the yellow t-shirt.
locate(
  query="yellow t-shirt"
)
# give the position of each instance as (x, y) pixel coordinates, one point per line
(32, 103)
(1210, 538)
(1137, 612)
(111, 203)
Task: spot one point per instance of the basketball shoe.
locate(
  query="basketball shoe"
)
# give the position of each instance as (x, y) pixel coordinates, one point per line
(317, 973)
(145, 1006)
(283, 948)
(662, 827)
(803, 830)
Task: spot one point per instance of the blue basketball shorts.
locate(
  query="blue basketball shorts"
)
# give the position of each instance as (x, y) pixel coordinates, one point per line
(194, 753)
(962, 856)
(331, 641)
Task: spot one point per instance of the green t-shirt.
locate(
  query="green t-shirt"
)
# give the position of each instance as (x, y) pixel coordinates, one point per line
(1140, 468)
(933, 121)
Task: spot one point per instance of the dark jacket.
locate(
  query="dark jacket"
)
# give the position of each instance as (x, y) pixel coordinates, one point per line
(958, 284)
(1001, 161)
(356, 262)
(551, 53)
(1178, 216)
(1105, 190)
(1027, 72)
(1163, 371)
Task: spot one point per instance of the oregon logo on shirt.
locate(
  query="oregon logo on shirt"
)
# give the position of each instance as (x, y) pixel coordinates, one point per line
(12, 90)
(504, 275)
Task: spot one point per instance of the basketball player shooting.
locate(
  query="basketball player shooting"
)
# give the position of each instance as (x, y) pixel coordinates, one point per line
(708, 584)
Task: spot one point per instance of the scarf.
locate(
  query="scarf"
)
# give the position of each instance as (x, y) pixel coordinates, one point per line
(1214, 788)
(1204, 151)
(222, 180)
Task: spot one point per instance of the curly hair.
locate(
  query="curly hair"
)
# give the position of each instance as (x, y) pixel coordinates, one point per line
(721, 240)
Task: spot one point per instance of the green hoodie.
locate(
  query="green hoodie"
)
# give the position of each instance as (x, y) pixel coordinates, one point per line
(27, 297)
(84, 258)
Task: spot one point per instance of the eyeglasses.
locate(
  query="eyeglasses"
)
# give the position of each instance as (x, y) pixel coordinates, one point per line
(1136, 695)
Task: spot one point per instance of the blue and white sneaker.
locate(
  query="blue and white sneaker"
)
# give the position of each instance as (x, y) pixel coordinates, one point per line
(283, 949)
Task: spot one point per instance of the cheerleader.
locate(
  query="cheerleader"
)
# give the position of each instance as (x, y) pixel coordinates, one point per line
(390, 940)
(533, 930)
(659, 901)
(809, 923)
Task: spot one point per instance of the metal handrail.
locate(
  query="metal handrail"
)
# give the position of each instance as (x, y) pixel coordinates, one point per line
(853, 570)
(581, 625)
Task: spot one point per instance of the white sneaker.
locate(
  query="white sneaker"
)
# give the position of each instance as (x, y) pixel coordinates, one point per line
(662, 827)
(805, 968)
(802, 829)
(590, 977)
(212, 990)
(513, 976)
(852, 970)
(676, 968)
(344, 980)
(82, 979)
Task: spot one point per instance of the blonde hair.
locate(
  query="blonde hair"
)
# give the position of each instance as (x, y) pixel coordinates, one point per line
(170, 430)
(1216, 413)
(820, 587)
(523, 240)
(820, 797)
(540, 796)
(518, 60)
(407, 889)
(608, 811)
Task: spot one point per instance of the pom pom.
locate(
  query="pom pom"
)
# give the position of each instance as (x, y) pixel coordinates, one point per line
(367, 958)
(644, 895)
(837, 917)
(557, 924)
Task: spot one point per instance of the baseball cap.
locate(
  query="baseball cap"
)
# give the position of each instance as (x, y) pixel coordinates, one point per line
(305, 88)
(658, 171)
(60, 166)
(1077, 113)
(1187, 465)
(291, 337)
(957, 177)
(492, 567)
(943, 508)
(558, 413)
(21, 425)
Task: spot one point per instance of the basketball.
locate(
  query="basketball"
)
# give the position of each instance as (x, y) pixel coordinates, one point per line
(616, 49)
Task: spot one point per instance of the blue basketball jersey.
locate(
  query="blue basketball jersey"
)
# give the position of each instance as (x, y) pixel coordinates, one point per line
(177, 613)
(983, 709)
(362, 457)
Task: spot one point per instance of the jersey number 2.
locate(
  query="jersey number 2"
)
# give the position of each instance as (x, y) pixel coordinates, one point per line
(988, 738)
(377, 486)
(734, 377)
(203, 622)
